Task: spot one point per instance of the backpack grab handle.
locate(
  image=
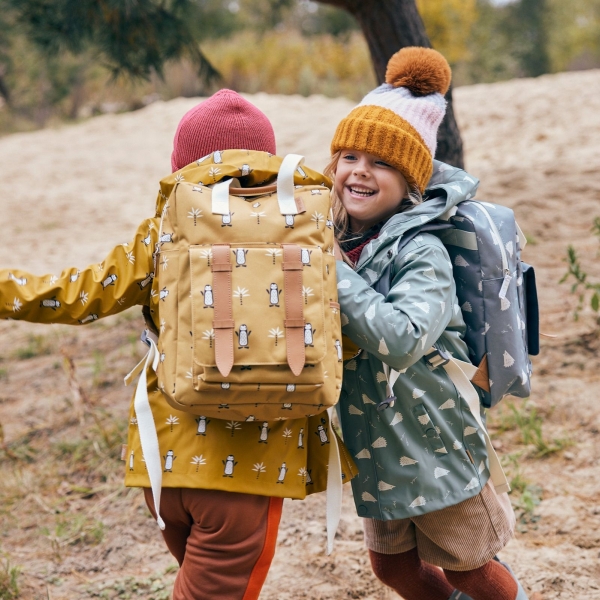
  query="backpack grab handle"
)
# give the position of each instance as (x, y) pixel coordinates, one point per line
(285, 184)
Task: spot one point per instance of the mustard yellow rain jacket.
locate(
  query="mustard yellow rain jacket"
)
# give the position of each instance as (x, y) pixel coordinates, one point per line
(194, 450)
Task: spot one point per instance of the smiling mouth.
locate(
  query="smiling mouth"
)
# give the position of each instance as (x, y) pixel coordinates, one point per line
(362, 192)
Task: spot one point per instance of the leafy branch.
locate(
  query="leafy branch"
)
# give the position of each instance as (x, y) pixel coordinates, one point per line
(582, 285)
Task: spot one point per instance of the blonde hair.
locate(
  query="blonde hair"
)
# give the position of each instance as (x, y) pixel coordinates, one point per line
(340, 216)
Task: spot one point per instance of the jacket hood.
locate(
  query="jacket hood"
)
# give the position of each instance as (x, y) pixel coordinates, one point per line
(447, 187)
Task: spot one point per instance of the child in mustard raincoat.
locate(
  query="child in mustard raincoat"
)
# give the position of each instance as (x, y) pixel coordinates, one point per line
(220, 501)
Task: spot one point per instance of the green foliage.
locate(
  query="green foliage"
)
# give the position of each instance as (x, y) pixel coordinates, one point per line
(152, 588)
(132, 37)
(71, 530)
(449, 24)
(37, 345)
(287, 63)
(526, 419)
(9, 585)
(582, 286)
(525, 496)
(65, 59)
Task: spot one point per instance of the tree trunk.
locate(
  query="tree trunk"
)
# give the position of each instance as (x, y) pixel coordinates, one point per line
(389, 25)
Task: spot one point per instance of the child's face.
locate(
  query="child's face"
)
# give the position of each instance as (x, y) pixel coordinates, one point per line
(369, 189)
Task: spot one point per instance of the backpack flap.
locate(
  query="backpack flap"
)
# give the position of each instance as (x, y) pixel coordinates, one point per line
(259, 299)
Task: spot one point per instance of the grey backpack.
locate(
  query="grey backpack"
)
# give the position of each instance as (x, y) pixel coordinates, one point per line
(496, 292)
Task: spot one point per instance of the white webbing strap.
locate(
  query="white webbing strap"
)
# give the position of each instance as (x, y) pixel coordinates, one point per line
(220, 198)
(285, 184)
(334, 486)
(146, 426)
(391, 377)
(460, 373)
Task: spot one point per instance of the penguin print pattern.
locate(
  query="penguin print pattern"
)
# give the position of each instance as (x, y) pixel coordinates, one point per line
(110, 280)
(308, 335)
(274, 293)
(282, 473)
(338, 348)
(202, 423)
(52, 303)
(88, 294)
(305, 257)
(229, 465)
(264, 433)
(243, 334)
(169, 458)
(240, 257)
(322, 433)
(89, 319)
(147, 281)
(208, 296)
(19, 280)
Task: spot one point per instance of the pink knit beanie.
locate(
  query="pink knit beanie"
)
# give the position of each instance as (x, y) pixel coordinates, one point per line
(225, 121)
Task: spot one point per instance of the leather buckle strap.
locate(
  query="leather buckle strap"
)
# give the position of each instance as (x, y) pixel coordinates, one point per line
(294, 307)
(223, 323)
(292, 265)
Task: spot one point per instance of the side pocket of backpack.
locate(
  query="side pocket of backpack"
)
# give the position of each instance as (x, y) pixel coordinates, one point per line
(532, 311)
(168, 302)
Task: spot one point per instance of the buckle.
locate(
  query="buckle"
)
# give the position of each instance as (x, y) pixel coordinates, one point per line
(148, 335)
(145, 338)
(436, 358)
(387, 403)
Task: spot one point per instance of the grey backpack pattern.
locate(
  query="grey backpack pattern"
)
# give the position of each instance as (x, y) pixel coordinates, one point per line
(496, 293)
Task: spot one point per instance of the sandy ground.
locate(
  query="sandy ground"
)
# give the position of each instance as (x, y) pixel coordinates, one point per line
(72, 193)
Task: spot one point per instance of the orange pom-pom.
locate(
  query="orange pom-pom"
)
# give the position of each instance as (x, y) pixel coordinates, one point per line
(422, 70)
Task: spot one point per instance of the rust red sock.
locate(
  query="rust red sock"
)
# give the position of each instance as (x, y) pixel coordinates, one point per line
(490, 582)
(410, 577)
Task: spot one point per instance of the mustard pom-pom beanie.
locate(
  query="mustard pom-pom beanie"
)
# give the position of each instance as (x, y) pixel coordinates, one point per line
(398, 121)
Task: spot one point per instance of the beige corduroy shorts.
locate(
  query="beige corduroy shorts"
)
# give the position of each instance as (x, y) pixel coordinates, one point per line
(458, 538)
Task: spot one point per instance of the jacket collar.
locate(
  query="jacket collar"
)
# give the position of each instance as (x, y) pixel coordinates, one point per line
(447, 187)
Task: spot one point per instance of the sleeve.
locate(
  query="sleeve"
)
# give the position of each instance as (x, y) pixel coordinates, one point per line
(400, 328)
(123, 279)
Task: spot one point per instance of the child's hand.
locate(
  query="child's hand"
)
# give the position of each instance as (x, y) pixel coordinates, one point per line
(336, 251)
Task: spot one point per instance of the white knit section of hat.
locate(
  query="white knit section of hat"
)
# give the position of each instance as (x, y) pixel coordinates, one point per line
(424, 113)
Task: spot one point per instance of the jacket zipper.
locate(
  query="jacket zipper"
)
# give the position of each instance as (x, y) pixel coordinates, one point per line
(505, 269)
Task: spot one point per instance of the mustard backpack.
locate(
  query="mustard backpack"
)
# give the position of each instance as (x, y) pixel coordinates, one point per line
(247, 294)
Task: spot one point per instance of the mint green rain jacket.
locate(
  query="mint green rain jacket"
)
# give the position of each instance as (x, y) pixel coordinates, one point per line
(427, 451)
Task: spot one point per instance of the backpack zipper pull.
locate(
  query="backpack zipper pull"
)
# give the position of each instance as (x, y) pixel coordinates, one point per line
(505, 284)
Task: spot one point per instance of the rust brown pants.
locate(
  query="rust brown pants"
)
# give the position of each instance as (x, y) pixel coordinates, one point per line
(224, 542)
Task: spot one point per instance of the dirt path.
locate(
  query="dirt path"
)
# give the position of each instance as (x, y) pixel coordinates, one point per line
(68, 523)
